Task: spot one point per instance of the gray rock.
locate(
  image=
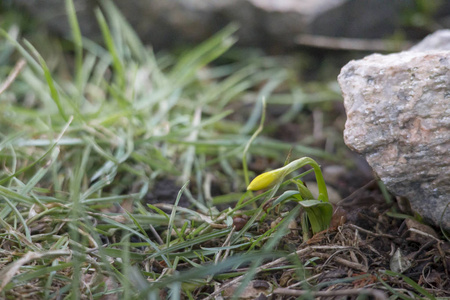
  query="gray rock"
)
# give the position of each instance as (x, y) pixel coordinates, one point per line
(398, 117)
(366, 19)
(264, 23)
(440, 40)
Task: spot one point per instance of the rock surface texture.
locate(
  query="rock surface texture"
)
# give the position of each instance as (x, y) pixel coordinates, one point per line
(398, 117)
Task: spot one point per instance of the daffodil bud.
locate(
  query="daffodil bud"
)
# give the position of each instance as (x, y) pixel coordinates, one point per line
(266, 180)
(271, 178)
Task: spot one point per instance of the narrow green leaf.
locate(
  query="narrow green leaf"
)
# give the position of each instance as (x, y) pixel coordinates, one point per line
(117, 62)
(51, 84)
(77, 39)
(412, 283)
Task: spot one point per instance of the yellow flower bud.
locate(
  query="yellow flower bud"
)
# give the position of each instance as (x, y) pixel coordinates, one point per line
(266, 180)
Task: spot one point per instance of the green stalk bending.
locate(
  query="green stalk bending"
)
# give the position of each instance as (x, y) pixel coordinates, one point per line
(271, 178)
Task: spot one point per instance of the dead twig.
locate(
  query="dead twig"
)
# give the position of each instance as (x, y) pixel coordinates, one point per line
(342, 261)
(12, 76)
(305, 281)
(370, 232)
(427, 235)
(225, 244)
(358, 191)
(155, 233)
(339, 43)
(421, 249)
(333, 247)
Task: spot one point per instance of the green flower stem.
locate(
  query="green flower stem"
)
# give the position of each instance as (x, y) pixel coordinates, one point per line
(301, 162)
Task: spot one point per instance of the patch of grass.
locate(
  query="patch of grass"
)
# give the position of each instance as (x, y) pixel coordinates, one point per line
(81, 154)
